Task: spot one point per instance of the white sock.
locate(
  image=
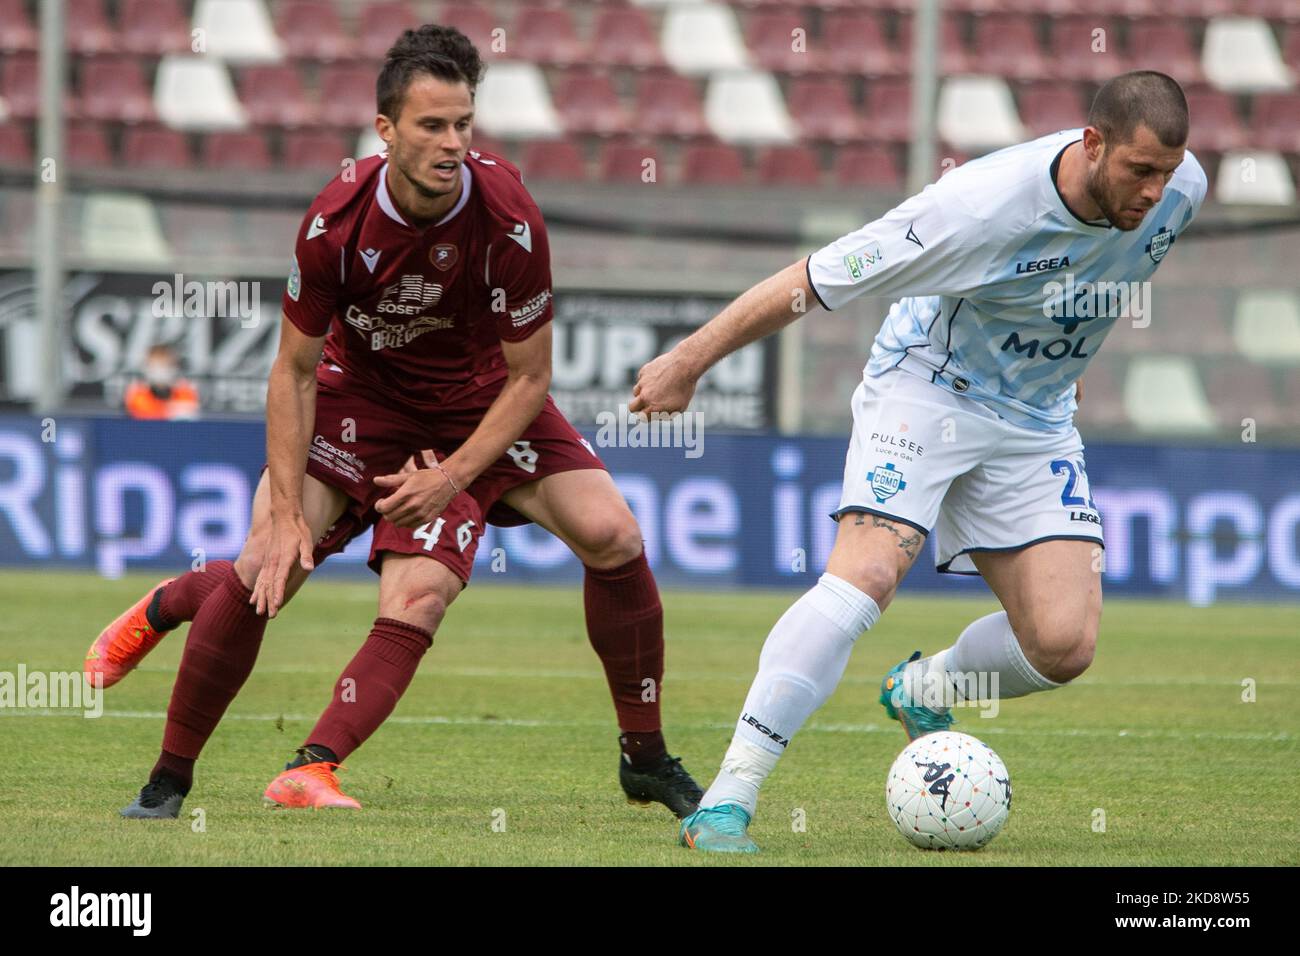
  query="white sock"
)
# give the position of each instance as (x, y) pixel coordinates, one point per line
(802, 662)
(986, 661)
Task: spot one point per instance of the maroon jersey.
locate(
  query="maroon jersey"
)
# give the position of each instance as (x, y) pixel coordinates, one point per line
(421, 312)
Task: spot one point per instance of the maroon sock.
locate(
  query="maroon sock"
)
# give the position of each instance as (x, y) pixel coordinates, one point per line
(219, 655)
(181, 600)
(625, 624)
(376, 679)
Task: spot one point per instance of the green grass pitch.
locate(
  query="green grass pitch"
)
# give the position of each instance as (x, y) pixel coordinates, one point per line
(509, 723)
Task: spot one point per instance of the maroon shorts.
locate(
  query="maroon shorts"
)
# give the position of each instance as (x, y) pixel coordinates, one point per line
(361, 434)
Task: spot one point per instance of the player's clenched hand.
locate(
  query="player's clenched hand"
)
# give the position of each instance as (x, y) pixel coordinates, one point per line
(663, 385)
(417, 497)
(290, 541)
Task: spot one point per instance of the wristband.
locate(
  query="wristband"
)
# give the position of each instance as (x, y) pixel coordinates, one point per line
(437, 464)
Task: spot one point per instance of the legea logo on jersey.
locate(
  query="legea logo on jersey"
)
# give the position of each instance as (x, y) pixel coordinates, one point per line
(858, 263)
(886, 482)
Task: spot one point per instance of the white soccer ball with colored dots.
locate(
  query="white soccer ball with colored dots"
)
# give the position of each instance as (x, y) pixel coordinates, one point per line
(948, 791)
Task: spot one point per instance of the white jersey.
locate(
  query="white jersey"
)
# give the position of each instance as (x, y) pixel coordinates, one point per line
(1009, 294)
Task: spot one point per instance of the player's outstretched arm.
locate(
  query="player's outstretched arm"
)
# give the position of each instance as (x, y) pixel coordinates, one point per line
(290, 412)
(667, 383)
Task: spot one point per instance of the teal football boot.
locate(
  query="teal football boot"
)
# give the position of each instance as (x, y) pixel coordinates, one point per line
(720, 829)
(917, 721)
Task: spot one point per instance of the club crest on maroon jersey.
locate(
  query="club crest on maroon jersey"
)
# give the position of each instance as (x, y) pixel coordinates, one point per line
(443, 256)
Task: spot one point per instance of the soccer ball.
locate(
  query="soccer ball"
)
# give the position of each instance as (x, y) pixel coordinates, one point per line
(948, 791)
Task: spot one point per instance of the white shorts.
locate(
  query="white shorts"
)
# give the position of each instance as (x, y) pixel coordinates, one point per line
(947, 465)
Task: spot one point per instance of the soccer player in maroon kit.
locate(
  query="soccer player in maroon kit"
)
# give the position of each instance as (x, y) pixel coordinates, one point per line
(409, 392)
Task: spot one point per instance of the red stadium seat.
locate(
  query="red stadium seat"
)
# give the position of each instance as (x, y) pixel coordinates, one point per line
(1049, 107)
(953, 55)
(554, 162)
(1275, 122)
(1215, 123)
(156, 147)
(789, 166)
(1238, 390)
(476, 23)
(311, 30)
(855, 43)
(1164, 45)
(88, 30)
(380, 24)
(315, 149)
(347, 95)
(588, 104)
(872, 167)
(771, 41)
(624, 36)
(626, 163)
(824, 110)
(1270, 10)
(712, 164)
(15, 147)
(889, 111)
(19, 85)
(154, 27)
(236, 150)
(114, 89)
(1291, 44)
(1073, 58)
(1007, 45)
(87, 146)
(669, 105)
(272, 95)
(546, 36)
(17, 32)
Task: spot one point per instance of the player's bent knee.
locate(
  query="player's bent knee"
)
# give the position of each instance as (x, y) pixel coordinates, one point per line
(1062, 651)
(874, 578)
(610, 540)
(419, 607)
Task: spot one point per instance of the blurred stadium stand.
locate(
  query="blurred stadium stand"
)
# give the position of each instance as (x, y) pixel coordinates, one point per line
(783, 120)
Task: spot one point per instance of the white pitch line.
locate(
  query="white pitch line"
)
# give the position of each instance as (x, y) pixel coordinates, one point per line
(890, 728)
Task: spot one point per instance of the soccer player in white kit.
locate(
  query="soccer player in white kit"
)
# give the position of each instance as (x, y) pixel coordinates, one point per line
(1014, 267)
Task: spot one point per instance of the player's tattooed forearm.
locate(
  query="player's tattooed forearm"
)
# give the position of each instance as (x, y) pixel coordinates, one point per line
(909, 543)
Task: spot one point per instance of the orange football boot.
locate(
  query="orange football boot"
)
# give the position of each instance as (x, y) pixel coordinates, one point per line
(124, 643)
(313, 785)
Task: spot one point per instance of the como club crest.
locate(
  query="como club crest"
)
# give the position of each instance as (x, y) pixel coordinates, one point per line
(443, 256)
(1160, 243)
(886, 482)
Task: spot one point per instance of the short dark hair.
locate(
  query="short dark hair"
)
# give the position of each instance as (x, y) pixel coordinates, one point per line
(442, 52)
(1141, 98)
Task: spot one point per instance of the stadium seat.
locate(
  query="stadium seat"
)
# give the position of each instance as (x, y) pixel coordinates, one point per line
(771, 38)
(1257, 177)
(155, 147)
(513, 102)
(702, 38)
(87, 147)
(153, 27)
(1275, 122)
(1241, 54)
(889, 111)
(547, 36)
(87, 31)
(1007, 44)
(1238, 391)
(669, 105)
(315, 149)
(1164, 45)
(712, 164)
(1164, 394)
(624, 36)
(1216, 125)
(1270, 10)
(15, 147)
(17, 31)
(201, 229)
(195, 92)
(236, 150)
(1049, 107)
(347, 95)
(477, 24)
(19, 86)
(746, 107)
(325, 40)
(122, 227)
(588, 104)
(1266, 326)
(1073, 57)
(789, 166)
(870, 167)
(272, 95)
(855, 44)
(554, 162)
(237, 31)
(823, 110)
(380, 24)
(953, 55)
(114, 89)
(977, 112)
(630, 163)
(1183, 322)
